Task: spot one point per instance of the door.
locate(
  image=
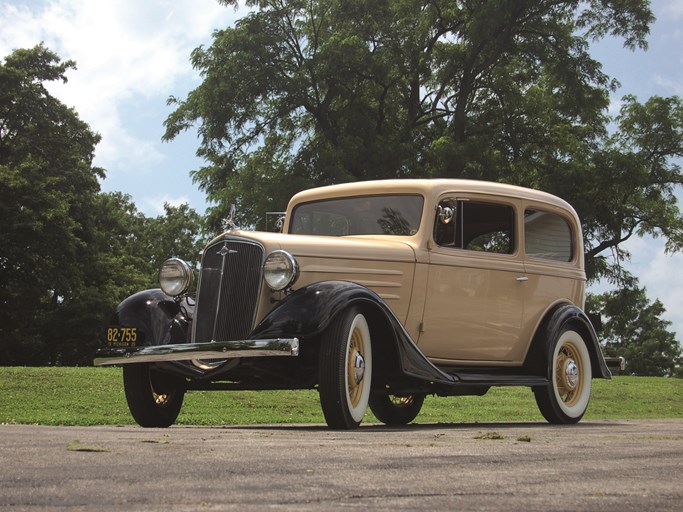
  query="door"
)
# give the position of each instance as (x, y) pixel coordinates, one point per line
(475, 291)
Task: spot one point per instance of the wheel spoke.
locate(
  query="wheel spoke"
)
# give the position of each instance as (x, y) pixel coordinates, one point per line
(568, 386)
(160, 399)
(355, 347)
(401, 401)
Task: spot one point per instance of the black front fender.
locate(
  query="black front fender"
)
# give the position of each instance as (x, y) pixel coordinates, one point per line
(158, 318)
(306, 313)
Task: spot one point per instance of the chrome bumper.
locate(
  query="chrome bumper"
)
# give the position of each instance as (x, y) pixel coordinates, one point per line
(190, 351)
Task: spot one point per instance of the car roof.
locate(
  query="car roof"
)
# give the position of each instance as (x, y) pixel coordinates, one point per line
(429, 188)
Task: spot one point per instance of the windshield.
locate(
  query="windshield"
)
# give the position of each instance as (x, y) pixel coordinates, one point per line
(397, 215)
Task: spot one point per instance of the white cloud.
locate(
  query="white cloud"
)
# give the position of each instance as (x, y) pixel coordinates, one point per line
(123, 49)
(154, 205)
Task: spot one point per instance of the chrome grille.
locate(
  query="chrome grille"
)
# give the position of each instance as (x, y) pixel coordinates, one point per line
(229, 286)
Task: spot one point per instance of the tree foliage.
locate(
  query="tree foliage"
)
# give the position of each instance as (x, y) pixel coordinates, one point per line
(47, 185)
(628, 185)
(69, 253)
(634, 329)
(178, 233)
(122, 255)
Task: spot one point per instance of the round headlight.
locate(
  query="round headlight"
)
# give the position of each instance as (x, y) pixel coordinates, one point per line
(175, 277)
(280, 270)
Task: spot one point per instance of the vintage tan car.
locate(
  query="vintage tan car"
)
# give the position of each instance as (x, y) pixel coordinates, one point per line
(377, 294)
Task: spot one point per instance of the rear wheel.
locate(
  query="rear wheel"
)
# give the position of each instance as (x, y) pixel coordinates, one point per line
(396, 410)
(345, 370)
(565, 398)
(154, 398)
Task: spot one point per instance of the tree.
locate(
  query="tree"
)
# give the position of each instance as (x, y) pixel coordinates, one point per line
(626, 186)
(311, 92)
(122, 255)
(69, 253)
(47, 185)
(178, 233)
(634, 329)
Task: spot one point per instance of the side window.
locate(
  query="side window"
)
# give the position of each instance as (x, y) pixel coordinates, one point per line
(547, 236)
(475, 226)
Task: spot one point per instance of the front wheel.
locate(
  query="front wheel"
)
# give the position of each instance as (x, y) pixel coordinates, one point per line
(154, 398)
(565, 399)
(345, 370)
(396, 410)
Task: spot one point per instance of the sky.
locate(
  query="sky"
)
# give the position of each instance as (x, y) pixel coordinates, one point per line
(132, 55)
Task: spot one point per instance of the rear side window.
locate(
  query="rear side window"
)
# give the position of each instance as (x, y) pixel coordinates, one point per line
(547, 236)
(475, 226)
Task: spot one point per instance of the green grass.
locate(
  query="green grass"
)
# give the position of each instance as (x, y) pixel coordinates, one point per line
(94, 396)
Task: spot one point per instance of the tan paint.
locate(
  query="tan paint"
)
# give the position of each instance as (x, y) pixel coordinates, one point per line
(462, 307)
(391, 280)
(385, 266)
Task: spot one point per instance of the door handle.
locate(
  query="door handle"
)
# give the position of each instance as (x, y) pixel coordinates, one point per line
(522, 279)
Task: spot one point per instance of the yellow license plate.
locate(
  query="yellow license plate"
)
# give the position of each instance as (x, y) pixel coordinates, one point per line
(118, 336)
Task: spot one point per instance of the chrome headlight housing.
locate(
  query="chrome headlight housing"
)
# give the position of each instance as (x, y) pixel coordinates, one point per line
(280, 270)
(175, 277)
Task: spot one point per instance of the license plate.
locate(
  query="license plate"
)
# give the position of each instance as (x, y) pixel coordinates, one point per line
(119, 336)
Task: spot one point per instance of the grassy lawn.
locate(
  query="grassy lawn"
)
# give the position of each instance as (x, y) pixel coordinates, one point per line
(94, 396)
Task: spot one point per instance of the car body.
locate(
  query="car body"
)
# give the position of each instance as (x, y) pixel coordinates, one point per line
(376, 293)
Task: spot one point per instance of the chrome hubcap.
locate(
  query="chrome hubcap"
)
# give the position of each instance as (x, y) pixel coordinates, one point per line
(571, 372)
(358, 367)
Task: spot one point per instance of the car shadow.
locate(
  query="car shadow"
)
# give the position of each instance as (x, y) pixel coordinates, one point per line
(416, 427)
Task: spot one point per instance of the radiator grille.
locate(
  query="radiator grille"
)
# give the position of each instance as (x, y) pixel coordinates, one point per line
(229, 286)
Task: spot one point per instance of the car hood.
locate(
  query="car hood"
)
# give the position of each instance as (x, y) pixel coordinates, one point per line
(385, 265)
(380, 248)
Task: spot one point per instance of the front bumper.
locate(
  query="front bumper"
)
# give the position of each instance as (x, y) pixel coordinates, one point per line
(190, 351)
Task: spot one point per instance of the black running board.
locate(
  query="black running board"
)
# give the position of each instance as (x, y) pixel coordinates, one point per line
(467, 377)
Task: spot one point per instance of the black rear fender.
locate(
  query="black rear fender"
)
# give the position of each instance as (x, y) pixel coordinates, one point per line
(557, 319)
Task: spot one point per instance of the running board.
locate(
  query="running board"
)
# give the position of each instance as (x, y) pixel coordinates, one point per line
(496, 379)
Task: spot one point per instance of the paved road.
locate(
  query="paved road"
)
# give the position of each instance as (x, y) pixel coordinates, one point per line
(600, 465)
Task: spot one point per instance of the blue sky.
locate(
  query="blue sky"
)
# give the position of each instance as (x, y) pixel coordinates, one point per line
(132, 55)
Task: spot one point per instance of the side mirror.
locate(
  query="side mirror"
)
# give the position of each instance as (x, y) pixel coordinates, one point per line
(445, 213)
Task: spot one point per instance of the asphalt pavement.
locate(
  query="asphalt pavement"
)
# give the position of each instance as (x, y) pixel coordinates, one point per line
(595, 465)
